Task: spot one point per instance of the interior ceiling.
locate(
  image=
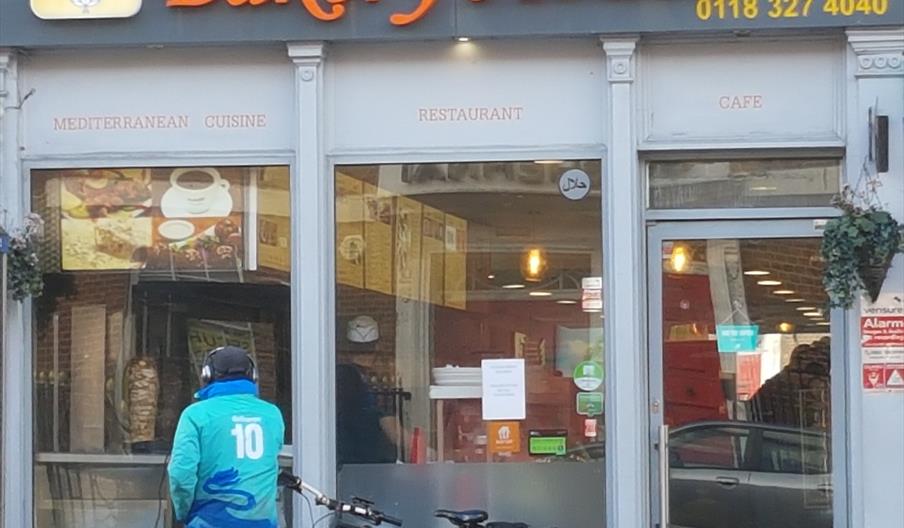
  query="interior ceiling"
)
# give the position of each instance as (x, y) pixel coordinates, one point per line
(796, 263)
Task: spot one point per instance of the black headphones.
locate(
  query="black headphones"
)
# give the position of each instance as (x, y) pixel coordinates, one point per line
(210, 373)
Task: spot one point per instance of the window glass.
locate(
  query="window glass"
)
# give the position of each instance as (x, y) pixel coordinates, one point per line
(793, 452)
(743, 183)
(146, 270)
(716, 447)
(469, 343)
(746, 347)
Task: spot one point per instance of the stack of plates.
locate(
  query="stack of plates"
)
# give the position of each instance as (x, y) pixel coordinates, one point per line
(458, 376)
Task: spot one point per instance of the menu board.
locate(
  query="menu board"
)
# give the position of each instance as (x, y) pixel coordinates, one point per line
(274, 241)
(432, 255)
(183, 218)
(206, 335)
(349, 231)
(378, 215)
(408, 248)
(456, 263)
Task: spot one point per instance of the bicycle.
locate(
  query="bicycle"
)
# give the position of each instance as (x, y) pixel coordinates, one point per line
(357, 507)
(474, 519)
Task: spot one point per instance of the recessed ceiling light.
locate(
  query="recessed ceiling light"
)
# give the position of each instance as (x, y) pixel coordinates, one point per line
(812, 314)
(794, 300)
(769, 283)
(784, 292)
(512, 286)
(491, 276)
(756, 273)
(805, 308)
(785, 327)
(463, 39)
(764, 188)
(824, 323)
(540, 294)
(548, 162)
(566, 301)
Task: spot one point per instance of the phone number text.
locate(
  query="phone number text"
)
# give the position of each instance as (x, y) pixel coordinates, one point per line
(752, 9)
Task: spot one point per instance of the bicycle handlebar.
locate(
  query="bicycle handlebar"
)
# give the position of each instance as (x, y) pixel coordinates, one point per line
(356, 507)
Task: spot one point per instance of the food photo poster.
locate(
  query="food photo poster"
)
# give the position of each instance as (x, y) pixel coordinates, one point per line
(153, 219)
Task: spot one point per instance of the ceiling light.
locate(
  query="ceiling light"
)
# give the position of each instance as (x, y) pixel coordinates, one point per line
(784, 292)
(548, 162)
(806, 308)
(769, 283)
(680, 257)
(540, 294)
(763, 188)
(533, 264)
(463, 39)
(756, 273)
(785, 327)
(491, 276)
(514, 286)
(824, 323)
(812, 314)
(566, 301)
(794, 300)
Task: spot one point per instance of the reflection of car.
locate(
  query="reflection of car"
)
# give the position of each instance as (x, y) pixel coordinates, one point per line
(745, 475)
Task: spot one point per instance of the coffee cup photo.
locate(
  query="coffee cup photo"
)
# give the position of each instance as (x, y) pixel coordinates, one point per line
(199, 187)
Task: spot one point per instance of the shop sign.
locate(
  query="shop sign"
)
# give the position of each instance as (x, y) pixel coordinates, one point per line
(882, 332)
(590, 403)
(592, 300)
(504, 437)
(707, 12)
(548, 443)
(574, 184)
(588, 375)
(336, 8)
(592, 283)
(84, 9)
(590, 428)
(504, 394)
(873, 377)
(737, 338)
(882, 343)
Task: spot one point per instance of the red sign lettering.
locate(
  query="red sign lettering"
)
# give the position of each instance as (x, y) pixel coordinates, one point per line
(325, 10)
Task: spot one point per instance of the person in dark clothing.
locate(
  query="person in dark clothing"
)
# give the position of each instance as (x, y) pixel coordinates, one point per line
(361, 438)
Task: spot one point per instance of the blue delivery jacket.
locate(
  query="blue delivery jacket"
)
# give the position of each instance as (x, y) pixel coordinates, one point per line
(224, 465)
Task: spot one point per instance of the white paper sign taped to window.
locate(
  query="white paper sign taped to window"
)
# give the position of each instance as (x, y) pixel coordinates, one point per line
(503, 389)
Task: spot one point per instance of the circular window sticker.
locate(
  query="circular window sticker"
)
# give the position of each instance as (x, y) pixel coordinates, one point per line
(588, 375)
(574, 184)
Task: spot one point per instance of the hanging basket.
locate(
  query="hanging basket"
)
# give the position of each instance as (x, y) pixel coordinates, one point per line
(873, 276)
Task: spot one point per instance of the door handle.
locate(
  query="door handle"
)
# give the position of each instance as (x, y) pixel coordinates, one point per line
(664, 476)
(728, 482)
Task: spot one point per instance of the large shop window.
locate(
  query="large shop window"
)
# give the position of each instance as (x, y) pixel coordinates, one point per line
(469, 342)
(147, 269)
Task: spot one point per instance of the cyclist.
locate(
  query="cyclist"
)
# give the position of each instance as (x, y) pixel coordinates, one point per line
(224, 462)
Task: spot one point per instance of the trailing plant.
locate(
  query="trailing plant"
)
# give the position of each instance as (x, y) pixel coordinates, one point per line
(858, 246)
(23, 267)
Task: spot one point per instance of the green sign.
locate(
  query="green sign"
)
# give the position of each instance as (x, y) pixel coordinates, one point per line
(547, 445)
(588, 375)
(737, 338)
(590, 403)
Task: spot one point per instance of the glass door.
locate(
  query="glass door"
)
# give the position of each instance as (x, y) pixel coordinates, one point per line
(740, 342)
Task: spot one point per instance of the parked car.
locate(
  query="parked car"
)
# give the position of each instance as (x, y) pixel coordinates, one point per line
(744, 475)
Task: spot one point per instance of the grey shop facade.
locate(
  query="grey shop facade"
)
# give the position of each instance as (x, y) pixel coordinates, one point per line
(395, 205)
